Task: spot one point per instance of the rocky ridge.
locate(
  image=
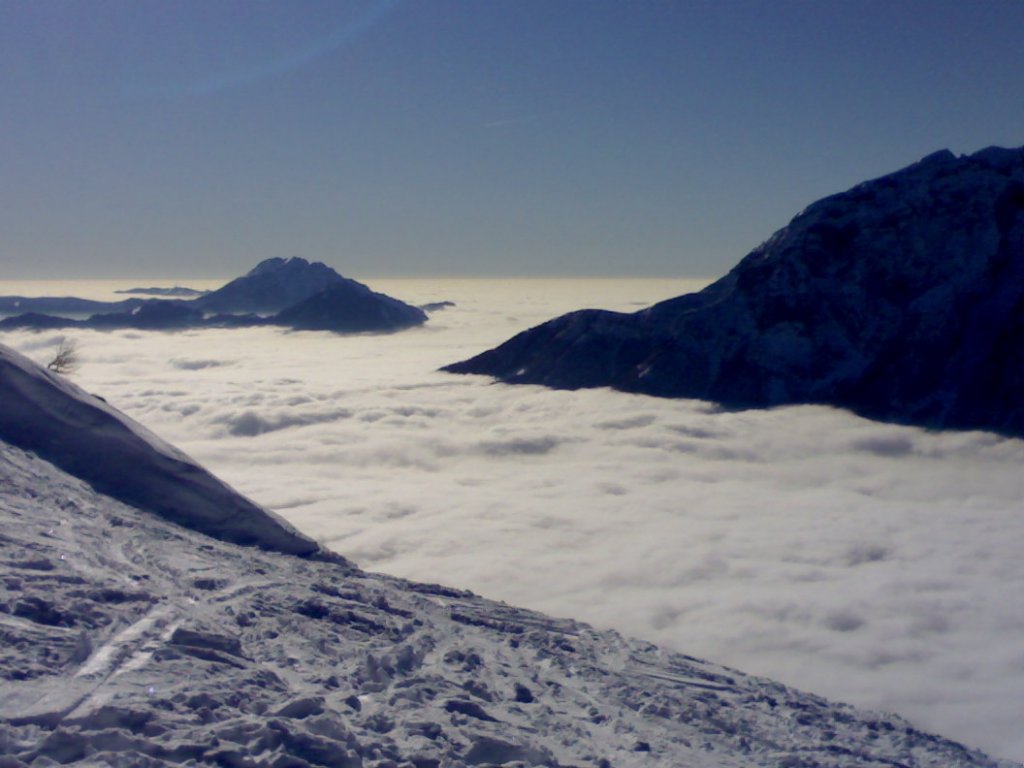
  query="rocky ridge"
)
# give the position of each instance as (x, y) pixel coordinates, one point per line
(901, 299)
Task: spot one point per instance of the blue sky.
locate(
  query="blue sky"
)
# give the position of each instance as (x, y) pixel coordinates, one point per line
(470, 137)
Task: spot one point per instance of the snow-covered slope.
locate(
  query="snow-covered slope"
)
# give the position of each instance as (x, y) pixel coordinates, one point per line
(44, 413)
(131, 641)
(902, 299)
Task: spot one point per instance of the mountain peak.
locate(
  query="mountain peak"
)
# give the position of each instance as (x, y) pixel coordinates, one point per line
(267, 265)
(271, 286)
(278, 263)
(937, 157)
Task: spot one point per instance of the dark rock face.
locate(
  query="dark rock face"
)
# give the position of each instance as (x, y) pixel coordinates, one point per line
(901, 299)
(350, 307)
(271, 286)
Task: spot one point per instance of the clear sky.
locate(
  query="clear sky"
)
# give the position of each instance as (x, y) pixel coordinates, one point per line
(477, 137)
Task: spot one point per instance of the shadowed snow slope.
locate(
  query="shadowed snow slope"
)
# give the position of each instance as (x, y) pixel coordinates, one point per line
(901, 299)
(129, 641)
(44, 413)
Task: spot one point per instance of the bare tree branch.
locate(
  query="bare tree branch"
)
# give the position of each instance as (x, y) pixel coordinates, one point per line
(65, 359)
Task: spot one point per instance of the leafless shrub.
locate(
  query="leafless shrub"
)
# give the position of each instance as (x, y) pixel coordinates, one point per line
(65, 359)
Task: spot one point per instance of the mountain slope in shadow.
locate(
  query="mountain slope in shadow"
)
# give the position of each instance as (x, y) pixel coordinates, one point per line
(901, 299)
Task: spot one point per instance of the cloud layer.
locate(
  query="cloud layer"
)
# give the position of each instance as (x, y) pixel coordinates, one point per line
(870, 563)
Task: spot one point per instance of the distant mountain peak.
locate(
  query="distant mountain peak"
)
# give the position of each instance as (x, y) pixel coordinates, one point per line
(267, 265)
(939, 156)
(270, 286)
(277, 263)
(311, 296)
(280, 291)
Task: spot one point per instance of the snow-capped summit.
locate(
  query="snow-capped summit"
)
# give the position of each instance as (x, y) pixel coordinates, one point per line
(901, 299)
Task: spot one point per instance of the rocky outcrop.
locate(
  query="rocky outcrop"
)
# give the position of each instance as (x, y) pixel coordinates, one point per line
(901, 299)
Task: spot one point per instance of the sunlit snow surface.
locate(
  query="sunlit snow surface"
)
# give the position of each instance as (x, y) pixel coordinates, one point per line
(871, 563)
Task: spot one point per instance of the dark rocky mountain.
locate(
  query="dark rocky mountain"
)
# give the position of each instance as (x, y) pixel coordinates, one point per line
(901, 299)
(350, 307)
(290, 292)
(270, 286)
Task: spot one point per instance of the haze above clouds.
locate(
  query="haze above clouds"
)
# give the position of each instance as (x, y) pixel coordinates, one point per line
(871, 563)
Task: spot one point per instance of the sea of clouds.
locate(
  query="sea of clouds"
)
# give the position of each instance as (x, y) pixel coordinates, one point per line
(871, 563)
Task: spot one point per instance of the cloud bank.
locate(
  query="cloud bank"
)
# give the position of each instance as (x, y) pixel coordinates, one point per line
(867, 562)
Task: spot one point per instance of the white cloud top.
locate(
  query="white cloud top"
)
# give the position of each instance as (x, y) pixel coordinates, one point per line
(871, 563)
